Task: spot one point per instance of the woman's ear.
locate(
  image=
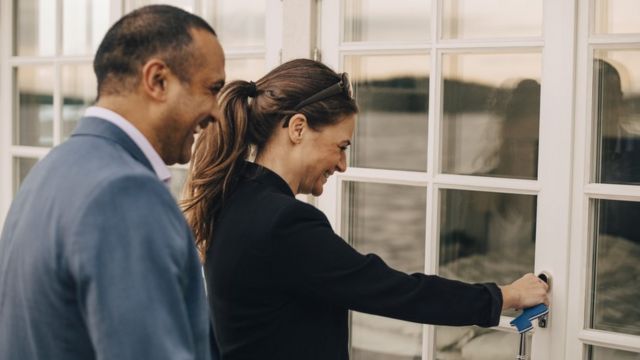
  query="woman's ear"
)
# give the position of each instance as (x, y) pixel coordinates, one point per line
(297, 128)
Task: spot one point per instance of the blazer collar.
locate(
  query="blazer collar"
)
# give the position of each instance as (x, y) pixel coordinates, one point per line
(93, 126)
(265, 176)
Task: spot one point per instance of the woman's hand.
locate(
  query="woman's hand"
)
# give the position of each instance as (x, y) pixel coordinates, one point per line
(525, 292)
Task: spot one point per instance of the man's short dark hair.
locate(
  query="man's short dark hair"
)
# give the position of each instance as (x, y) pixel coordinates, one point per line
(155, 30)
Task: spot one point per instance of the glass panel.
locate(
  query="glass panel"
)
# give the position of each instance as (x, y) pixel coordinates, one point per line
(21, 167)
(84, 24)
(617, 16)
(383, 20)
(616, 269)
(244, 69)
(393, 95)
(616, 100)
(186, 5)
(78, 92)
(472, 19)
(491, 105)
(600, 353)
(238, 22)
(486, 237)
(178, 179)
(476, 343)
(387, 220)
(33, 123)
(34, 27)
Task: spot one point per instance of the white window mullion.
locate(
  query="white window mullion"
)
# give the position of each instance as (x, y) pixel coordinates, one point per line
(6, 112)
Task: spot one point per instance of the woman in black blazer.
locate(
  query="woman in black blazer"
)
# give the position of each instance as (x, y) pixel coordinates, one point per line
(280, 281)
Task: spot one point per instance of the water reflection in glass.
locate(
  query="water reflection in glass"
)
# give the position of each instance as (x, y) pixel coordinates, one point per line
(486, 237)
(393, 95)
(248, 69)
(383, 20)
(21, 167)
(78, 93)
(476, 343)
(34, 27)
(491, 110)
(616, 99)
(616, 268)
(387, 220)
(600, 353)
(617, 16)
(33, 122)
(238, 22)
(84, 23)
(471, 19)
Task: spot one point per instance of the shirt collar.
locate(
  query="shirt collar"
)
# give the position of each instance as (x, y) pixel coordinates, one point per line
(160, 168)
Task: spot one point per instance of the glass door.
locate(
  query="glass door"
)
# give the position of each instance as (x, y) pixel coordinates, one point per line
(461, 160)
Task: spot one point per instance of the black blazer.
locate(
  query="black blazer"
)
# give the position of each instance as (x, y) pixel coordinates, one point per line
(281, 282)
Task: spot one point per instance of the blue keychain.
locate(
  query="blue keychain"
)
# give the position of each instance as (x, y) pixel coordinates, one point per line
(523, 322)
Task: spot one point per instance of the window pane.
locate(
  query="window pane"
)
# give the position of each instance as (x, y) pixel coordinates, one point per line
(33, 123)
(476, 343)
(617, 16)
(78, 92)
(244, 69)
(21, 167)
(387, 220)
(34, 27)
(383, 20)
(393, 95)
(616, 99)
(178, 179)
(600, 353)
(491, 105)
(616, 268)
(84, 24)
(486, 237)
(186, 5)
(469, 19)
(238, 22)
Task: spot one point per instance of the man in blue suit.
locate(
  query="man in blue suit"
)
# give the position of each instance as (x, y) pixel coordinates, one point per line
(96, 259)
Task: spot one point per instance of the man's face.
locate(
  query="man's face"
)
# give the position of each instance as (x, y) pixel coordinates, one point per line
(191, 106)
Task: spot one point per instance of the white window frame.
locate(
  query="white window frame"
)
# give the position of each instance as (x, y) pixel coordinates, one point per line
(554, 176)
(585, 190)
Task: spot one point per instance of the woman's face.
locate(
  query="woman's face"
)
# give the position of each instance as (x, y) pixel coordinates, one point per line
(324, 153)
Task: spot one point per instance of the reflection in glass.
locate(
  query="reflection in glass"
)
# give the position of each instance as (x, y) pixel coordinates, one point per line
(237, 22)
(600, 353)
(244, 69)
(33, 122)
(472, 19)
(486, 237)
(84, 23)
(617, 16)
(387, 220)
(34, 27)
(392, 92)
(178, 179)
(186, 5)
(476, 343)
(21, 167)
(616, 102)
(383, 20)
(616, 268)
(491, 110)
(78, 92)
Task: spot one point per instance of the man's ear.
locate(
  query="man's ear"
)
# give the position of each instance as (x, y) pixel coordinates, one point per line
(155, 79)
(297, 128)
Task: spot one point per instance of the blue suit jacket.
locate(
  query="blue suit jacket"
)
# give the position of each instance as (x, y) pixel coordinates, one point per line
(97, 261)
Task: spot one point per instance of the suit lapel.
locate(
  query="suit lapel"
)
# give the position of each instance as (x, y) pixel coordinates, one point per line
(93, 126)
